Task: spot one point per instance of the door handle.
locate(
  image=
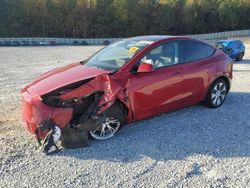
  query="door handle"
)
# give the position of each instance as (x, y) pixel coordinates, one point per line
(175, 73)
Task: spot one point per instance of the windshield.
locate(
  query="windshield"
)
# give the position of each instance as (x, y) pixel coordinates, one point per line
(220, 44)
(116, 55)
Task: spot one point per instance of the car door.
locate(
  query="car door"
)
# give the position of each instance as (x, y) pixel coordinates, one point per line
(197, 66)
(233, 50)
(158, 91)
(236, 49)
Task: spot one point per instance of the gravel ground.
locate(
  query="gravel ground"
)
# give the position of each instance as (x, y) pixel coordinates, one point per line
(192, 147)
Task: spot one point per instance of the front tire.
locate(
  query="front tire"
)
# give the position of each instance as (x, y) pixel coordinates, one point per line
(217, 94)
(113, 122)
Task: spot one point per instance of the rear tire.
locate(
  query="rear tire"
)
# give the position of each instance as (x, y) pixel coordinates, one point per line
(217, 94)
(240, 57)
(113, 123)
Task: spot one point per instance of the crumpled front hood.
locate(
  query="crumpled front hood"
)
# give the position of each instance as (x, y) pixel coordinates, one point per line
(62, 76)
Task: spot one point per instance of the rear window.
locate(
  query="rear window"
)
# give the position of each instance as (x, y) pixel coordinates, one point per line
(192, 50)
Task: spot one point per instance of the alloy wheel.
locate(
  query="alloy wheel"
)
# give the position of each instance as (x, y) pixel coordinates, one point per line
(107, 129)
(218, 94)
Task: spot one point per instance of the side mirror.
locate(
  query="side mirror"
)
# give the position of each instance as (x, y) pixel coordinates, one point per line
(146, 66)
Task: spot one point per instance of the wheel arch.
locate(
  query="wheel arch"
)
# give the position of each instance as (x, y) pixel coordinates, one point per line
(123, 107)
(226, 79)
(223, 77)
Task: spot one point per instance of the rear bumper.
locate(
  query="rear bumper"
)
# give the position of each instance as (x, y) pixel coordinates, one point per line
(35, 112)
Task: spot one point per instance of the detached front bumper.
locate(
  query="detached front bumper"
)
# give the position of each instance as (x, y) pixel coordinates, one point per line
(35, 112)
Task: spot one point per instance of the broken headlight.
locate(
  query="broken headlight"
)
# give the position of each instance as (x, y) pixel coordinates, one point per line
(53, 98)
(53, 101)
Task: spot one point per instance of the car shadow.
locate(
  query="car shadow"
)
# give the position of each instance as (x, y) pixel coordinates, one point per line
(241, 69)
(222, 132)
(244, 61)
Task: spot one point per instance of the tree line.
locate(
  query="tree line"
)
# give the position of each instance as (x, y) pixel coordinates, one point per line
(120, 18)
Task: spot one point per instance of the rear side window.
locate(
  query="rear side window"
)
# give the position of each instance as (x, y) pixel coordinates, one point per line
(192, 50)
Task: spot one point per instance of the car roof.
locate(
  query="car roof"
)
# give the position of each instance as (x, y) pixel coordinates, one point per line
(226, 42)
(151, 37)
(155, 38)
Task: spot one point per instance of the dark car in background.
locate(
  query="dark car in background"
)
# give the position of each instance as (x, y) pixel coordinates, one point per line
(15, 43)
(34, 43)
(84, 43)
(25, 43)
(7, 43)
(76, 42)
(106, 42)
(52, 43)
(234, 48)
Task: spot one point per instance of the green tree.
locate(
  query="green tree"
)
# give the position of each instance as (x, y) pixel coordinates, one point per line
(120, 18)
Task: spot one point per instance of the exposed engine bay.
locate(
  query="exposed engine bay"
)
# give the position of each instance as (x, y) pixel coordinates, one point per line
(89, 101)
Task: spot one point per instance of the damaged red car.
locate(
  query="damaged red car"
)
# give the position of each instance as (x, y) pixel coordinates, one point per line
(129, 80)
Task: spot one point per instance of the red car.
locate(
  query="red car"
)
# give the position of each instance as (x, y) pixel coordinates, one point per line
(127, 81)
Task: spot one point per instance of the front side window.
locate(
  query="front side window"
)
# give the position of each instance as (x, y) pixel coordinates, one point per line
(231, 45)
(192, 50)
(163, 55)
